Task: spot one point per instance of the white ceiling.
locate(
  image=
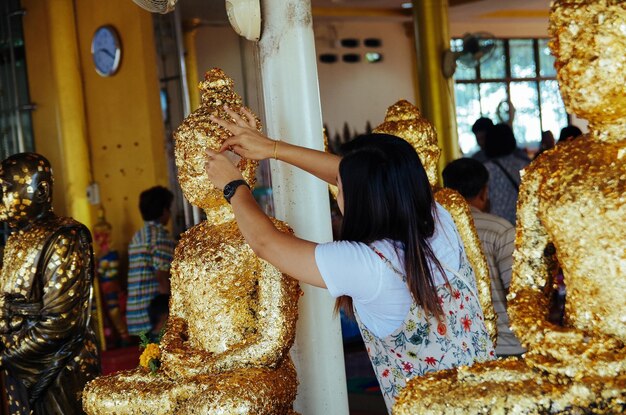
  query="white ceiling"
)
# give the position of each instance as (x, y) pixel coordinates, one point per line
(378, 4)
(486, 8)
(461, 11)
(503, 18)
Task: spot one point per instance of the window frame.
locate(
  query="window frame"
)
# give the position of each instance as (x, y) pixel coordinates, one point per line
(508, 79)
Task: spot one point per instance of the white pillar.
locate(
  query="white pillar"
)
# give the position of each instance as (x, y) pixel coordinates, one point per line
(293, 114)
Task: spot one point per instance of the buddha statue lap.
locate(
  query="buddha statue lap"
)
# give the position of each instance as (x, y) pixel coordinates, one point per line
(572, 200)
(404, 120)
(232, 315)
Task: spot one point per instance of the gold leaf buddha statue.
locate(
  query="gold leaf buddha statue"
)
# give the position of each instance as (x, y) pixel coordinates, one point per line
(232, 315)
(572, 199)
(404, 120)
(47, 348)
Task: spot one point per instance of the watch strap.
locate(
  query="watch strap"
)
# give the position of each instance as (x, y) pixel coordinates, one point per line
(231, 188)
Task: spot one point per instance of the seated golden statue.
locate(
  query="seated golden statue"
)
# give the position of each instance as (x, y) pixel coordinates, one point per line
(404, 120)
(571, 199)
(232, 315)
(47, 348)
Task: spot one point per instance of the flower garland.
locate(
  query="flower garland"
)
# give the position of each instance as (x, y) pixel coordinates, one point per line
(151, 356)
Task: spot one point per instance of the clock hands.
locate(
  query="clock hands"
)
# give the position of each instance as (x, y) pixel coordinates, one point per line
(106, 52)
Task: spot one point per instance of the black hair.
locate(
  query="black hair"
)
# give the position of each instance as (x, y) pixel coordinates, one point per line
(482, 124)
(159, 306)
(569, 133)
(387, 196)
(467, 176)
(500, 141)
(154, 201)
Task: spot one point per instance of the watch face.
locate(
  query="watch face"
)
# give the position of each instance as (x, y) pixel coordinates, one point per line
(231, 188)
(106, 50)
(229, 191)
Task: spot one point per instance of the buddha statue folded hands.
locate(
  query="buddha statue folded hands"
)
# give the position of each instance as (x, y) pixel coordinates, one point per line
(572, 201)
(232, 315)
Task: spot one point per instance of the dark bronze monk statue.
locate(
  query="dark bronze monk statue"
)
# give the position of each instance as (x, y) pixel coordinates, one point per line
(48, 351)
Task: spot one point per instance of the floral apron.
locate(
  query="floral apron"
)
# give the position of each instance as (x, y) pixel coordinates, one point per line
(423, 344)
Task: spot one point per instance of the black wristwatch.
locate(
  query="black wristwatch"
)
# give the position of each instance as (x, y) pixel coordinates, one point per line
(231, 188)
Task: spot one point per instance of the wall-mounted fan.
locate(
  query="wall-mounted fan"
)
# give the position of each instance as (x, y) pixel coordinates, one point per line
(475, 48)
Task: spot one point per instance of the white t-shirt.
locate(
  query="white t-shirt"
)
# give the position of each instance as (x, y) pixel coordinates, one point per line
(379, 295)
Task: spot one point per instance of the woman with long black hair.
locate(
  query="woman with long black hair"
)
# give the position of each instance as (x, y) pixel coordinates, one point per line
(400, 267)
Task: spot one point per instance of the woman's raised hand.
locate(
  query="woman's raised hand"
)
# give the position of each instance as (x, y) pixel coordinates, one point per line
(246, 140)
(220, 170)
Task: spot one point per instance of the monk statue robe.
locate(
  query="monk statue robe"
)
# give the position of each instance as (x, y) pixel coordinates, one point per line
(232, 315)
(47, 347)
(572, 201)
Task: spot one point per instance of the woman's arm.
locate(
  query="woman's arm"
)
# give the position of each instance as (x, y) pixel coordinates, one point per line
(249, 143)
(291, 255)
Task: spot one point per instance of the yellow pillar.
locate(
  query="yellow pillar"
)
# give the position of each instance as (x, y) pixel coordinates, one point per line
(436, 92)
(67, 75)
(191, 63)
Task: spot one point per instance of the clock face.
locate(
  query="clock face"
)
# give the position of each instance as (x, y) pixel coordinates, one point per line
(106, 50)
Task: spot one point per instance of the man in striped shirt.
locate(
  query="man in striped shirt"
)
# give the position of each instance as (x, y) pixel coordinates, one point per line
(469, 177)
(150, 254)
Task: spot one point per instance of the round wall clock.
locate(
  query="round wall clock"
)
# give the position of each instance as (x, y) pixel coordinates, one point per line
(106, 50)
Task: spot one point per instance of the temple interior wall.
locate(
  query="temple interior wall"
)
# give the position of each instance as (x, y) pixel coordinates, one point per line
(122, 113)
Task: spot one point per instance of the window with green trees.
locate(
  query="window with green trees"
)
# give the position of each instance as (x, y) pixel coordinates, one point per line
(516, 84)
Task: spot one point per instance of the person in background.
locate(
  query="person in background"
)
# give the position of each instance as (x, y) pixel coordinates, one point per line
(158, 312)
(569, 133)
(469, 177)
(112, 298)
(547, 142)
(504, 167)
(480, 128)
(150, 254)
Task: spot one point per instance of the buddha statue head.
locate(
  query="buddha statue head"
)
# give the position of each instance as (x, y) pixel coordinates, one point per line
(588, 42)
(26, 180)
(404, 120)
(197, 133)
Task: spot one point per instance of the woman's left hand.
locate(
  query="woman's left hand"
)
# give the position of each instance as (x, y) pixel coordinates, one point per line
(220, 169)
